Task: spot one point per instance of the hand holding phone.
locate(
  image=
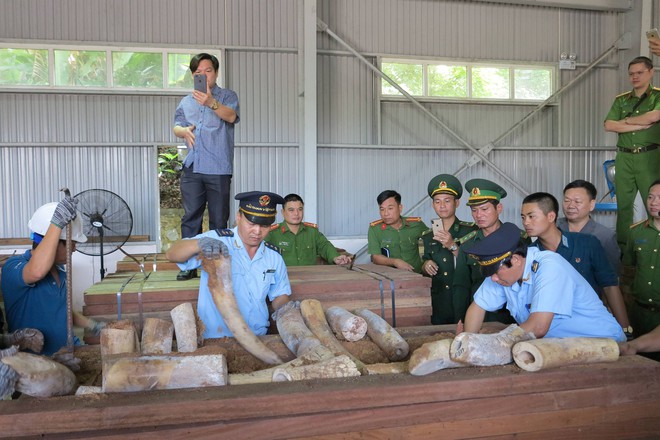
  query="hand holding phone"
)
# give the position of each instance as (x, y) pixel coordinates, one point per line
(652, 33)
(200, 82)
(437, 226)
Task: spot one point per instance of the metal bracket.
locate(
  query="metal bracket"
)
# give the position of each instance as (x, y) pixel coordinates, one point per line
(474, 159)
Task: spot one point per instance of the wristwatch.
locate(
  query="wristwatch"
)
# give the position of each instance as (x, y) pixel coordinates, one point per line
(628, 331)
(215, 105)
(453, 248)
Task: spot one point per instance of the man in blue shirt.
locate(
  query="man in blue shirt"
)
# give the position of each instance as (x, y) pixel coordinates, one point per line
(257, 269)
(584, 252)
(205, 120)
(543, 292)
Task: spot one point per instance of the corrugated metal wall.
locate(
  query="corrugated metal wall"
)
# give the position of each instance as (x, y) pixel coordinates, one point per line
(260, 39)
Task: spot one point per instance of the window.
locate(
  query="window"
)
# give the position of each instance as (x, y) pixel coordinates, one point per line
(96, 67)
(469, 81)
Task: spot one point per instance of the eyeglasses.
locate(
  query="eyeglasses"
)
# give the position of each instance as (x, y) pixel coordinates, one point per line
(637, 73)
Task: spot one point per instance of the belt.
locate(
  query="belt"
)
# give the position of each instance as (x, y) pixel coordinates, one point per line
(639, 149)
(648, 306)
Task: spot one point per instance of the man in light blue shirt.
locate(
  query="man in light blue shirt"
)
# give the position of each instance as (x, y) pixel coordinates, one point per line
(544, 293)
(257, 269)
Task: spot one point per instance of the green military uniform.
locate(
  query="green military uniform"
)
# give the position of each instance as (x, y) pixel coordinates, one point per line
(638, 158)
(441, 283)
(301, 249)
(467, 276)
(397, 243)
(643, 251)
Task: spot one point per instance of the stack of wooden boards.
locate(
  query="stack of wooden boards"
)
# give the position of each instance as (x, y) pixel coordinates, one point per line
(369, 286)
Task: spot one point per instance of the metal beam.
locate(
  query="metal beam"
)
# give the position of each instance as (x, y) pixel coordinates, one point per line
(593, 5)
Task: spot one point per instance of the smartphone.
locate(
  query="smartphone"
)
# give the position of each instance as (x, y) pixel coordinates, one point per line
(385, 252)
(200, 83)
(652, 33)
(437, 226)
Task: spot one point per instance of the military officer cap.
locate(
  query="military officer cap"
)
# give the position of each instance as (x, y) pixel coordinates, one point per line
(482, 190)
(445, 184)
(496, 248)
(259, 207)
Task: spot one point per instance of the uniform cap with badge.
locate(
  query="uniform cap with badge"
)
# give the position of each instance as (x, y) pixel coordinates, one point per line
(259, 207)
(496, 248)
(482, 191)
(445, 184)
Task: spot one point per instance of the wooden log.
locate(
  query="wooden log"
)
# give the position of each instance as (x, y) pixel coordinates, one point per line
(388, 339)
(142, 373)
(40, 376)
(314, 355)
(546, 353)
(185, 327)
(387, 368)
(293, 331)
(432, 356)
(338, 366)
(157, 336)
(345, 324)
(314, 317)
(222, 291)
(118, 340)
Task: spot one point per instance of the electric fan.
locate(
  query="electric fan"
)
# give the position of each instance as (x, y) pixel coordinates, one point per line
(107, 222)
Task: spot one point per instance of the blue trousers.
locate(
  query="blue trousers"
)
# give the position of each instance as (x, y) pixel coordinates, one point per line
(198, 191)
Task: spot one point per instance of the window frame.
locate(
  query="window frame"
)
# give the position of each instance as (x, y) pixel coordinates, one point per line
(110, 88)
(512, 66)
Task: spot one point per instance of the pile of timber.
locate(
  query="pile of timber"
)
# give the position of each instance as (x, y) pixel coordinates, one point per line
(369, 286)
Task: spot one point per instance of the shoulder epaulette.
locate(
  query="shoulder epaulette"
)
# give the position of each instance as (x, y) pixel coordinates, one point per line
(376, 222)
(427, 231)
(414, 219)
(272, 247)
(657, 89)
(623, 94)
(466, 237)
(224, 232)
(634, 225)
(462, 223)
(311, 225)
(274, 226)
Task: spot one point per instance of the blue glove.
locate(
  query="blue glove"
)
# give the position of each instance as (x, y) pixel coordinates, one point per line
(212, 248)
(64, 212)
(96, 326)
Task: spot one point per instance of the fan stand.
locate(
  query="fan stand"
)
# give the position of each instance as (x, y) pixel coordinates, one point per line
(97, 222)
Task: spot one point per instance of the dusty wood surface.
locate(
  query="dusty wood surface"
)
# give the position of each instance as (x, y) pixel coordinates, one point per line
(616, 400)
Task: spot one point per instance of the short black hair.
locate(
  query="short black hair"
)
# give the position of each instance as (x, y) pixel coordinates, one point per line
(388, 193)
(292, 198)
(546, 201)
(642, 60)
(194, 61)
(588, 186)
(657, 182)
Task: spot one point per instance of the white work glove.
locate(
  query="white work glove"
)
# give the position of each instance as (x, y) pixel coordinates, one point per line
(64, 212)
(25, 338)
(95, 327)
(212, 248)
(486, 350)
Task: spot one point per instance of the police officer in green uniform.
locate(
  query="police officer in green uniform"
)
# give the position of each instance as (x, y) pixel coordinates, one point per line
(394, 240)
(484, 202)
(643, 252)
(300, 242)
(634, 116)
(441, 247)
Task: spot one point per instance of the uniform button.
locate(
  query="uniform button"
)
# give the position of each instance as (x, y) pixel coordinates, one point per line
(444, 273)
(444, 259)
(446, 287)
(652, 267)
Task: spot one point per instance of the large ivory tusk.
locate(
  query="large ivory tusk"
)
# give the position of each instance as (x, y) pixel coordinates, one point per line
(344, 323)
(293, 331)
(40, 376)
(545, 353)
(222, 290)
(432, 356)
(389, 340)
(338, 366)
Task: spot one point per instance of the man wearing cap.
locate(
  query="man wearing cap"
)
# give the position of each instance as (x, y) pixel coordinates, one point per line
(543, 292)
(441, 247)
(634, 117)
(34, 284)
(643, 252)
(394, 240)
(257, 269)
(485, 206)
(584, 252)
(301, 242)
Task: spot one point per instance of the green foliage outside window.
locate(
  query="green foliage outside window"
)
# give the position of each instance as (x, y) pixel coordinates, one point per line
(137, 69)
(490, 82)
(449, 81)
(23, 66)
(532, 83)
(178, 74)
(409, 76)
(84, 68)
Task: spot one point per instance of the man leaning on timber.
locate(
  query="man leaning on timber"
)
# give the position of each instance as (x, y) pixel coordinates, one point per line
(258, 271)
(441, 247)
(634, 116)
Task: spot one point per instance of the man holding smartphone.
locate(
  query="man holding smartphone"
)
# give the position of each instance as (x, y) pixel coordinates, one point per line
(441, 246)
(634, 116)
(205, 120)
